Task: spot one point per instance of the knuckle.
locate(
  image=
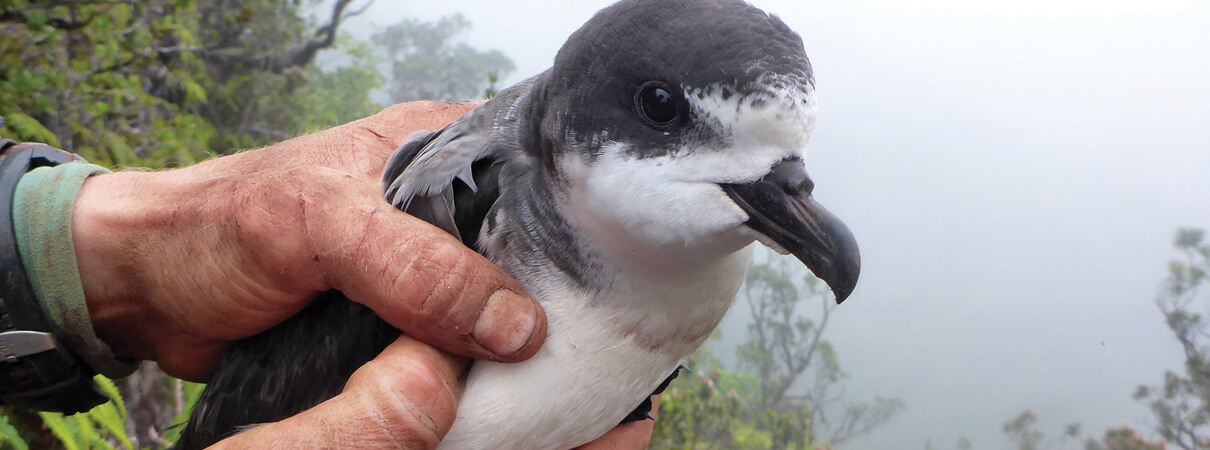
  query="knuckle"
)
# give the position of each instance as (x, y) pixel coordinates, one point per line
(412, 402)
(265, 217)
(367, 235)
(435, 273)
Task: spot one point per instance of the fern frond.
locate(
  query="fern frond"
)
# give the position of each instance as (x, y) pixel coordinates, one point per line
(108, 417)
(61, 429)
(110, 389)
(9, 437)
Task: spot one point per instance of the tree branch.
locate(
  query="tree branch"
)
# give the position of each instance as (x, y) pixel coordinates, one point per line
(325, 36)
(10, 16)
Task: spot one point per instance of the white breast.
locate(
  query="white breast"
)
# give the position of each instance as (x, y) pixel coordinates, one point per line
(603, 356)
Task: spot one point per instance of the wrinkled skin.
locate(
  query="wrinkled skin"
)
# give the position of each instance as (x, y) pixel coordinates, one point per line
(176, 264)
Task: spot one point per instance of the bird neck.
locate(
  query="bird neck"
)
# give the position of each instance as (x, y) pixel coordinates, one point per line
(669, 303)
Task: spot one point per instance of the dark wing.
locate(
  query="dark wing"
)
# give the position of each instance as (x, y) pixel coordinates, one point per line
(450, 177)
(286, 370)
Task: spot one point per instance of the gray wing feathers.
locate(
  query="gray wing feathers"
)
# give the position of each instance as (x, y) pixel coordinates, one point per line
(419, 177)
(423, 182)
(446, 157)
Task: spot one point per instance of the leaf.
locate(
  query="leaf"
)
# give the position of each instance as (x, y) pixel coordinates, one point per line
(9, 437)
(37, 21)
(117, 147)
(194, 92)
(86, 432)
(111, 390)
(29, 129)
(61, 429)
(108, 416)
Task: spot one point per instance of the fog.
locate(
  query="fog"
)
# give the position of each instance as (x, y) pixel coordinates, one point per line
(1014, 173)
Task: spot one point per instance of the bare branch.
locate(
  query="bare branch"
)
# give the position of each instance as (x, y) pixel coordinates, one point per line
(325, 36)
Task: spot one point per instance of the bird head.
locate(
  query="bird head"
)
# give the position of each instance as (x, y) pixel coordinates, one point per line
(701, 111)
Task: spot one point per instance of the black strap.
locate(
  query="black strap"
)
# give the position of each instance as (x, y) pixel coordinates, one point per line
(36, 370)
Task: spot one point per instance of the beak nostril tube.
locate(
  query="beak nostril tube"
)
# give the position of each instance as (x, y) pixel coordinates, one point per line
(792, 177)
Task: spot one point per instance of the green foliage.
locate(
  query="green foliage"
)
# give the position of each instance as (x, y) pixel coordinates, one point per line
(1122, 438)
(1023, 432)
(189, 393)
(797, 370)
(713, 408)
(780, 397)
(964, 444)
(161, 83)
(102, 427)
(9, 436)
(1181, 405)
(157, 84)
(426, 63)
(169, 82)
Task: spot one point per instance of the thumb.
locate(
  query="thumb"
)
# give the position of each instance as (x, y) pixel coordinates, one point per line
(407, 397)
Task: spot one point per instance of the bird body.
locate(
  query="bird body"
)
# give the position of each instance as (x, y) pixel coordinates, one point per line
(623, 189)
(618, 323)
(592, 369)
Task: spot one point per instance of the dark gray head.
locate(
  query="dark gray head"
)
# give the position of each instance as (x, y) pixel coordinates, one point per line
(643, 64)
(682, 126)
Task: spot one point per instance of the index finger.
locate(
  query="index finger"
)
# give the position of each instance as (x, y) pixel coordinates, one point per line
(423, 281)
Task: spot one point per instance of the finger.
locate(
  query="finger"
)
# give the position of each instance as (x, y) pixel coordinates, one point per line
(360, 147)
(407, 397)
(425, 282)
(630, 436)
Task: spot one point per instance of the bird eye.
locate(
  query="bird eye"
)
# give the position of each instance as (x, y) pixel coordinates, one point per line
(657, 105)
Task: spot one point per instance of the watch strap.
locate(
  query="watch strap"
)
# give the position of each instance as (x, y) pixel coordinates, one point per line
(36, 370)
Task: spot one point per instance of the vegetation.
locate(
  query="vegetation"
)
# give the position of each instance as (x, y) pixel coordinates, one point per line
(711, 408)
(786, 348)
(783, 393)
(1022, 431)
(167, 82)
(161, 83)
(1181, 405)
(426, 64)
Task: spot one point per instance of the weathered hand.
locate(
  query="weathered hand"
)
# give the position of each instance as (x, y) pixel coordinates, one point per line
(407, 397)
(177, 263)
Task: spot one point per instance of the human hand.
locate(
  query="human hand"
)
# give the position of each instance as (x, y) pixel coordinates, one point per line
(176, 264)
(407, 397)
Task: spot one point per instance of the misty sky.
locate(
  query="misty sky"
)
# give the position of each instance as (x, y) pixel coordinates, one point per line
(1014, 172)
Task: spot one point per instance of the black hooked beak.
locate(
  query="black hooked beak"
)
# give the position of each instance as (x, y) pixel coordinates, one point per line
(780, 206)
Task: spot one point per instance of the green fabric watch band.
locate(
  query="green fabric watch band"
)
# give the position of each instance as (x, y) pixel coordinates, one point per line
(42, 208)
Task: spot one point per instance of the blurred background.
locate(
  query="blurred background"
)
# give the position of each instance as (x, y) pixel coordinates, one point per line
(1027, 179)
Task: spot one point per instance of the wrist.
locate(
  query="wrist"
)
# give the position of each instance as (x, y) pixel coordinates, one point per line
(106, 220)
(149, 255)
